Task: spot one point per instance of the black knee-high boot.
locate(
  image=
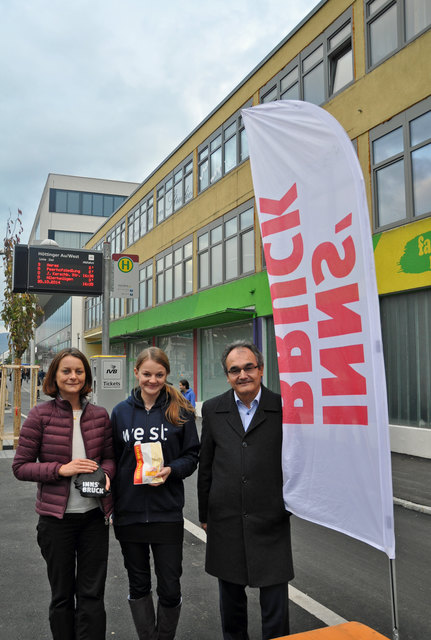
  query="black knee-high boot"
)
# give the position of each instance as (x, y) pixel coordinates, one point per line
(144, 617)
(167, 621)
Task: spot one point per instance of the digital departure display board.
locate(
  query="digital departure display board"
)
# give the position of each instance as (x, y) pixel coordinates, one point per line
(59, 270)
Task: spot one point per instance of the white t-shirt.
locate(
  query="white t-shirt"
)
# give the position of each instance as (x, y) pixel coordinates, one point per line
(77, 503)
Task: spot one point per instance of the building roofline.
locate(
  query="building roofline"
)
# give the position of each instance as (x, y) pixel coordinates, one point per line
(225, 100)
(238, 87)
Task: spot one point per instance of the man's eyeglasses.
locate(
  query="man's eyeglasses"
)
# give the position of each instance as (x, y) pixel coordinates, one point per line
(235, 371)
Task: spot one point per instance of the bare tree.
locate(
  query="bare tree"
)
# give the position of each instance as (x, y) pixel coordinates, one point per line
(18, 313)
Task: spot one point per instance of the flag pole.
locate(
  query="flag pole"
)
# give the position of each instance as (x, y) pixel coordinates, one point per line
(395, 633)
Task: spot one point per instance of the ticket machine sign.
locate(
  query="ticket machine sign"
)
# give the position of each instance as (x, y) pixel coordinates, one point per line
(112, 374)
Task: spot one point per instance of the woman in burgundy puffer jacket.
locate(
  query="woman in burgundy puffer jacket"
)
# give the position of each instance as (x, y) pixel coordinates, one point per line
(59, 440)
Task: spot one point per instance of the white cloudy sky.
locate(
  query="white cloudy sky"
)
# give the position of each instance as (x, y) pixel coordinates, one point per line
(107, 88)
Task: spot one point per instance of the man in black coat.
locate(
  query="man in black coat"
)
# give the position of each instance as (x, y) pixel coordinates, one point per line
(240, 491)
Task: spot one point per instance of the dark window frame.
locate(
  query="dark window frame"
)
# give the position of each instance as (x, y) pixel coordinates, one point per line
(207, 148)
(402, 39)
(221, 222)
(165, 262)
(140, 220)
(403, 121)
(406, 336)
(80, 196)
(117, 237)
(274, 89)
(165, 205)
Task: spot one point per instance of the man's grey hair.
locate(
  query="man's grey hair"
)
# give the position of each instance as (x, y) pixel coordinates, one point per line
(241, 344)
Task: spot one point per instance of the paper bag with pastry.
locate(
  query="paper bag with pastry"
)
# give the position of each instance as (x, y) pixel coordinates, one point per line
(149, 461)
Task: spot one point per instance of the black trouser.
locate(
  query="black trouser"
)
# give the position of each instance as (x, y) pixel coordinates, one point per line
(274, 605)
(76, 553)
(167, 566)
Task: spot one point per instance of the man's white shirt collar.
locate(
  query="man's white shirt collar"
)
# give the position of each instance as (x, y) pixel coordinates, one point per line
(256, 399)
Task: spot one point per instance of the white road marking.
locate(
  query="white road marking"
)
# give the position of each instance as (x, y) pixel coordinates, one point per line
(198, 532)
(318, 610)
(304, 601)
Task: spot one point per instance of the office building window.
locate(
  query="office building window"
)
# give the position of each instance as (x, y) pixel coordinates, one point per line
(175, 190)
(140, 220)
(174, 272)
(164, 278)
(340, 59)
(70, 239)
(321, 70)
(93, 312)
(391, 24)
(226, 247)
(212, 343)
(401, 166)
(179, 349)
(313, 76)
(225, 149)
(146, 286)
(83, 203)
(115, 308)
(183, 269)
(117, 238)
(406, 333)
(145, 299)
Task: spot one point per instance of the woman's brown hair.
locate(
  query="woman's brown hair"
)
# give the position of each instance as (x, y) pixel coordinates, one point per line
(177, 403)
(50, 385)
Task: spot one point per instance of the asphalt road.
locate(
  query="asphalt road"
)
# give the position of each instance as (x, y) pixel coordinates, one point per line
(348, 577)
(335, 576)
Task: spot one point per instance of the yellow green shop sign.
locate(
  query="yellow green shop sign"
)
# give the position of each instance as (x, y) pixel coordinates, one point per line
(403, 257)
(417, 254)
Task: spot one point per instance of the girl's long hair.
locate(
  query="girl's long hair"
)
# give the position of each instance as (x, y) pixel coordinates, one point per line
(178, 405)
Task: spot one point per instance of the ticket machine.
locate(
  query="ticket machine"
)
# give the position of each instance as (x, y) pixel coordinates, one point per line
(109, 380)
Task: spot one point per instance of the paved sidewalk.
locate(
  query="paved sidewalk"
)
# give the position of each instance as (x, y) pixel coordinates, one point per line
(411, 479)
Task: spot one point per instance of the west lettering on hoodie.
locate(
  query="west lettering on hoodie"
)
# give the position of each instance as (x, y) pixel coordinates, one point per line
(136, 434)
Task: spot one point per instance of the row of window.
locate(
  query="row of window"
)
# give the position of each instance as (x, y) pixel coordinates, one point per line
(326, 65)
(222, 152)
(83, 203)
(225, 251)
(401, 166)
(175, 190)
(174, 272)
(319, 71)
(140, 220)
(225, 149)
(117, 238)
(70, 239)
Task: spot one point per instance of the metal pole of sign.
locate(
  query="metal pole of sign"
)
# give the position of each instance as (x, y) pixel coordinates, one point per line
(106, 297)
(395, 633)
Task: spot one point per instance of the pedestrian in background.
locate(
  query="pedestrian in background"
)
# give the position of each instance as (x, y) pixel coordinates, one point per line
(40, 378)
(150, 516)
(241, 499)
(187, 391)
(60, 439)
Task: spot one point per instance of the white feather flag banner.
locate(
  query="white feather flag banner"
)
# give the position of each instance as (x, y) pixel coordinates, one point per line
(318, 250)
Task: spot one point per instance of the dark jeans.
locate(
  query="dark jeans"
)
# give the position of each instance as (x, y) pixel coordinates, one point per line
(274, 605)
(167, 566)
(76, 553)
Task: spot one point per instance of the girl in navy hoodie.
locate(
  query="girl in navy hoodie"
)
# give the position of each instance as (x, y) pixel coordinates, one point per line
(149, 516)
